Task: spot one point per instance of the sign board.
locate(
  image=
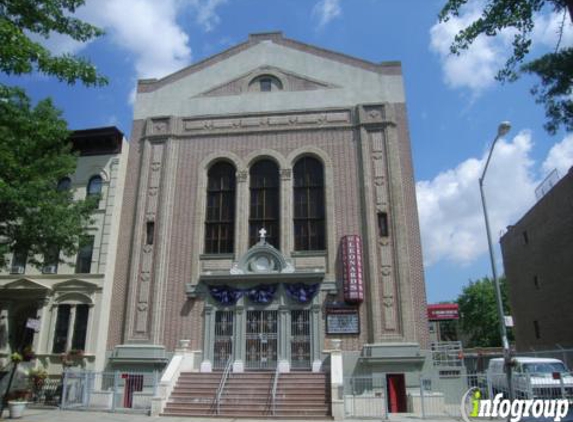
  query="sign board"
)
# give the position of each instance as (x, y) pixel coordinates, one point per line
(352, 271)
(343, 320)
(33, 324)
(508, 319)
(443, 312)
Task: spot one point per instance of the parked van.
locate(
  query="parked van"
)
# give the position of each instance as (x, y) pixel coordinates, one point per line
(532, 377)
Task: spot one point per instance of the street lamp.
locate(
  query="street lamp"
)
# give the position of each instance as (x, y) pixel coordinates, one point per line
(502, 130)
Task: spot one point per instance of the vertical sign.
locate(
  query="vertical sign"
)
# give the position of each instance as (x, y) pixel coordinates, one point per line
(352, 269)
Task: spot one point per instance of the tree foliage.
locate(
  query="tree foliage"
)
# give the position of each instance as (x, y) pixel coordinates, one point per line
(35, 152)
(20, 54)
(478, 313)
(554, 69)
(35, 149)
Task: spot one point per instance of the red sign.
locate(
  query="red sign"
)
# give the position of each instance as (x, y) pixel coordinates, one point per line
(445, 311)
(352, 269)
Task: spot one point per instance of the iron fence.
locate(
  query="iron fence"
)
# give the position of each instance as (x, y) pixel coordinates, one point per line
(112, 391)
(365, 397)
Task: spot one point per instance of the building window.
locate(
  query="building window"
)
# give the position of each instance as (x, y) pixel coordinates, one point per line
(265, 83)
(19, 260)
(85, 253)
(308, 205)
(94, 186)
(525, 238)
(64, 184)
(150, 233)
(220, 218)
(383, 224)
(76, 318)
(536, 329)
(264, 212)
(51, 260)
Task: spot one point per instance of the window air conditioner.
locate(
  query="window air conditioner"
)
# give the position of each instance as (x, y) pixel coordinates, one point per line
(17, 269)
(50, 269)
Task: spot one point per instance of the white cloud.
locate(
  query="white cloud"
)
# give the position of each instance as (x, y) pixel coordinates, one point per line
(151, 36)
(206, 13)
(326, 10)
(158, 44)
(451, 214)
(560, 157)
(476, 67)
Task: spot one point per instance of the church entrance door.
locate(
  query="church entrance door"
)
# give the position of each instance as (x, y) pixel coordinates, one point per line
(261, 340)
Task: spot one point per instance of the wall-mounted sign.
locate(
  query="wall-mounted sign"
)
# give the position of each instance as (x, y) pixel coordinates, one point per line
(352, 269)
(443, 311)
(342, 321)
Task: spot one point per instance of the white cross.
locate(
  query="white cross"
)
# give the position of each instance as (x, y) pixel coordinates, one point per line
(262, 232)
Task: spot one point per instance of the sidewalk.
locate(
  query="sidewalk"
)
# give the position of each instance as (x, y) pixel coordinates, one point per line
(56, 415)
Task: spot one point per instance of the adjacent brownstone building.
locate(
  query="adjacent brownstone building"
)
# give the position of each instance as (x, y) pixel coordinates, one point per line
(269, 208)
(537, 254)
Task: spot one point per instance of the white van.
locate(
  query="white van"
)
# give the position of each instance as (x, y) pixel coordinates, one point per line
(532, 377)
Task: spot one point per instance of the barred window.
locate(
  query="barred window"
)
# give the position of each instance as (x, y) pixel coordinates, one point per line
(264, 212)
(309, 233)
(220, 218)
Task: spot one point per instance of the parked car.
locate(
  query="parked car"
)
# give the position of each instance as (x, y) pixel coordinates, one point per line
(532, 378)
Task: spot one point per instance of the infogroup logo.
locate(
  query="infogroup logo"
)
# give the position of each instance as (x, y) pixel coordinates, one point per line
(474, 407)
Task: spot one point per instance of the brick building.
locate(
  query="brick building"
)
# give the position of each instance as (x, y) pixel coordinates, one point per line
(70, 295)
(537, 254)
(270, 208)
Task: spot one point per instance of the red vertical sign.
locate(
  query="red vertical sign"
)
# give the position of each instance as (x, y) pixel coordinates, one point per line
(352, 269)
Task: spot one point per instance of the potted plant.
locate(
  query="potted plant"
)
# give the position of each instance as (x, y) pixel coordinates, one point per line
(37, 377)
(17, 401)
(16, 408)
(28, 354)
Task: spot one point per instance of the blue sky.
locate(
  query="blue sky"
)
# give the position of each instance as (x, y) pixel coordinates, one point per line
(454, 104)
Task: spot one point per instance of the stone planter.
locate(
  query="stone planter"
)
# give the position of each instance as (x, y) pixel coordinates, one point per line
(16, 408)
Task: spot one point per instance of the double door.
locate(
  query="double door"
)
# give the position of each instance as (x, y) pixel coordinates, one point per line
(265, 335)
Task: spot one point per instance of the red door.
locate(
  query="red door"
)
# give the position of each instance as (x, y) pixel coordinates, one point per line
(396, 387)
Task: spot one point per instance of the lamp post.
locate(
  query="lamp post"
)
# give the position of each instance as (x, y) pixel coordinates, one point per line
(502, 130)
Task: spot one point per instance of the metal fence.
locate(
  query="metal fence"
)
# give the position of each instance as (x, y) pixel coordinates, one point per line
(443, 395)
(365, 397)
(112, 391)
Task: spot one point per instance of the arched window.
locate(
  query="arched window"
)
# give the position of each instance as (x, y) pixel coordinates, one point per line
(64, 184)
(308, 205)
(265, 83)
(71, 327)
(94, 186)
(220, 218)
(264, 202)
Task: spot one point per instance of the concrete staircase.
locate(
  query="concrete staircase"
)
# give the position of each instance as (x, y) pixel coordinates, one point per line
(249, 395)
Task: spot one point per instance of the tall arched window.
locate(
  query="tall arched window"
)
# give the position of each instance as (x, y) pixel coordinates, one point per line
(308, 205)
(264, 202)
(94, 186)
(220, 218)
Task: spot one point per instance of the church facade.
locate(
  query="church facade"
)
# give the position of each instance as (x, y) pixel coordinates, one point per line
(269, 209)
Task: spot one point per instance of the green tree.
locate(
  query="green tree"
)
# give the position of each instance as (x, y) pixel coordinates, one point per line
(20, 54)
(479, 319)
(35, 149)
(35, 152)
(554, 69)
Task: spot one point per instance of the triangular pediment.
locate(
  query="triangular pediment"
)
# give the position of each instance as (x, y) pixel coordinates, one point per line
(25, 284)
(76, 284)
(289, 82)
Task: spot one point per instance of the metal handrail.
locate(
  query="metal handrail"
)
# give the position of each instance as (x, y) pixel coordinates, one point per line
(222, 383)
(274, 391)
